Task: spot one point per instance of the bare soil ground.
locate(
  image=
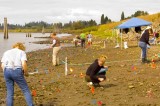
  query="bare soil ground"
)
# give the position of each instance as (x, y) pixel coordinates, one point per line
(128, 83)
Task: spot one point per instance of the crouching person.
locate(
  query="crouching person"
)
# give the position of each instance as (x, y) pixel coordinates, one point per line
(96, 72)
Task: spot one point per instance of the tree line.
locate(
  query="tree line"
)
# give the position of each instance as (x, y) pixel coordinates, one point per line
(136, 14)
(72, 25)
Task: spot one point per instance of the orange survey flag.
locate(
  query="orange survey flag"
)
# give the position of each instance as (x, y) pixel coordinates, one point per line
(81, 75)
(153, 65)
(34, 93)
(133, 68)
(92, 90)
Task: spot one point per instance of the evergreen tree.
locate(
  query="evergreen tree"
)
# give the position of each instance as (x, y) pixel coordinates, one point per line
(122, 16)
(106, 20)
(102, 19)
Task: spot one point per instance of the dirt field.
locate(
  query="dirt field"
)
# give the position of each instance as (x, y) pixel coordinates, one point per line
(128, 83)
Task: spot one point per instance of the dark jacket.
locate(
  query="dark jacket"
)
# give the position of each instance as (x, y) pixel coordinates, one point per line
(93, 69)
(145, 37)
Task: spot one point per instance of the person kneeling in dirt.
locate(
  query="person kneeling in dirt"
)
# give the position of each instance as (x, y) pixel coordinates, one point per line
(96, 72)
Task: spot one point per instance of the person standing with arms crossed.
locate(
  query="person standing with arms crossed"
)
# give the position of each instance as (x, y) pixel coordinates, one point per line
(14, 65)
(56, 48)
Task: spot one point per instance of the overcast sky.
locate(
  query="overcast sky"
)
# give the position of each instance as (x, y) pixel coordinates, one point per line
(53, 11)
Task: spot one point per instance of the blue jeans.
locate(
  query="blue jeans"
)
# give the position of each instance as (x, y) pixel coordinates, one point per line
(17, 76)
(143, 46)
(99, 75)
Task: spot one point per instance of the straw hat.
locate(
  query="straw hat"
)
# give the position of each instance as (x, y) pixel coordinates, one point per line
(148, 27)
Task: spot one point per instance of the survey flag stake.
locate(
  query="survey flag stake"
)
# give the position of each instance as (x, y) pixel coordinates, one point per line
(66, 69)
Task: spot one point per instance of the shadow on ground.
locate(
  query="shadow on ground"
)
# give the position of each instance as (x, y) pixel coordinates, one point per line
(108, 85)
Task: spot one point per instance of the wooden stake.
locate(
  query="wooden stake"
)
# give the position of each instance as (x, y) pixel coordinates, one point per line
(121, 39)
(30, 35)
(66, 69)
(5, 29)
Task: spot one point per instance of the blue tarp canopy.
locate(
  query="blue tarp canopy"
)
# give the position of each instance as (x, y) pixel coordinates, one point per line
(134, 22)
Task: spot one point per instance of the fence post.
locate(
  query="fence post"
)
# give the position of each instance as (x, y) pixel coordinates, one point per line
(5, 28)
(66, 69)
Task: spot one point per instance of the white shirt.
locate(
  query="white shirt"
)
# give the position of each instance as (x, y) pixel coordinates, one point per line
(13, 58)
(54, 42)
(89, 36)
